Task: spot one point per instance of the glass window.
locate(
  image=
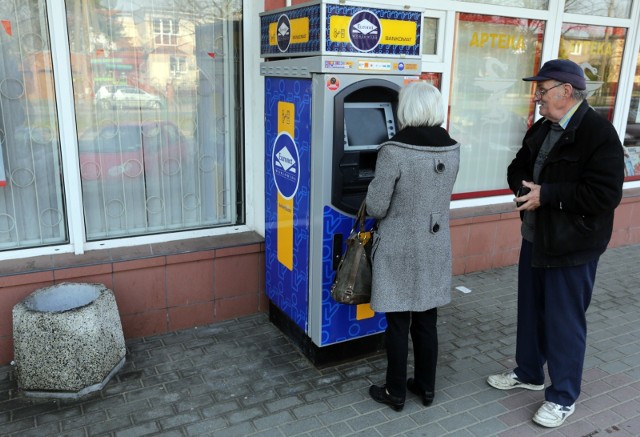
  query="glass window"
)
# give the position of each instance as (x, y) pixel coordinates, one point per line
(31, 195)
(598, 50)
(602, 8)
(156, 91)
(632, 132)
(530, 4)
(491, 106)
(430, 36)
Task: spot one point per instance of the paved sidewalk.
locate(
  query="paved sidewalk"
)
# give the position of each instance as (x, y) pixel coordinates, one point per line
(244, 378)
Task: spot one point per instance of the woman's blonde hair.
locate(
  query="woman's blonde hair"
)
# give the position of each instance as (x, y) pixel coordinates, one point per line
(420, 104)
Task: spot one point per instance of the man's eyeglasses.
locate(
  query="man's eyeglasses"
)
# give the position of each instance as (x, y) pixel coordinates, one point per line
(540, 92)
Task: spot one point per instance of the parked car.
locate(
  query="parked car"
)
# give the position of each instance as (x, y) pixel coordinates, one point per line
(133, 149)
(104, 95)
(132, 97)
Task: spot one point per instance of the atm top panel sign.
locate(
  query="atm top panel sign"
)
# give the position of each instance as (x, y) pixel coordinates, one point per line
(325, 28)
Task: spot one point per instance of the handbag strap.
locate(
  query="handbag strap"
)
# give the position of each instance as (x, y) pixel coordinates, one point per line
(363, 235)
(360, 218)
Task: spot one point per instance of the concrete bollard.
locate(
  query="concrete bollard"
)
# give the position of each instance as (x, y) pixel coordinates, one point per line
(68, 340)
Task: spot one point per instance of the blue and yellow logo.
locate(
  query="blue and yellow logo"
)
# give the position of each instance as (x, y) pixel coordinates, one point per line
(365, 31)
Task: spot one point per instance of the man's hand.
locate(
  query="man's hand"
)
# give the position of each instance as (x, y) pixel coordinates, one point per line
(531, 200)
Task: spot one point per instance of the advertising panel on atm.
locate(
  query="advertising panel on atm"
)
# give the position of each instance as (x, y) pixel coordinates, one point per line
(348, 30)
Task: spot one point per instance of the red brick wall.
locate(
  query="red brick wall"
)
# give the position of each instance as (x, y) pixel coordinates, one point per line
(157, 294)
(486, 241)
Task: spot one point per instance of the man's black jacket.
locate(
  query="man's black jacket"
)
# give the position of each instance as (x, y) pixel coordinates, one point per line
(581, 185)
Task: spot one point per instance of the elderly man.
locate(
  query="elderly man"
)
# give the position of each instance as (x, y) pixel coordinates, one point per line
(568, 178)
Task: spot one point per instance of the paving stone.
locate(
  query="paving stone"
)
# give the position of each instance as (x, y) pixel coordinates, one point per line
(179, 420)
(243, 377)
(48, 429)
(19, 425)
(58, 415)
(312, 409)
(396, 426)
(274, 420)
(245, 415)
(206, 426)
(457, 421)
(300, 426)
(372, 418)
(108, 426)
(156, 412)
(34, 410)
(240, 430)
(139, 430)
(81, 421)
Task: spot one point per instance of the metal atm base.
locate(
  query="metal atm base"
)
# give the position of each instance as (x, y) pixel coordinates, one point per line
(326, 355)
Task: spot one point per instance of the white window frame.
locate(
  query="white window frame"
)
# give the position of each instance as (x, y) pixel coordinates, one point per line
(172, 34)
(65, 104)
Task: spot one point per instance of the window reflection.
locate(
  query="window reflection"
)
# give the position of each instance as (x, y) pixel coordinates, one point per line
(602, 8)
(31, 195)
(490, 104)
(430, 36)
(155, 85)
(632, 132)
(598, 50)
(531, 4)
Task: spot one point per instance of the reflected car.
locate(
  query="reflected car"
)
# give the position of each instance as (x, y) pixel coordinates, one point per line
(132, 97)
(130, 150)
(104, 95)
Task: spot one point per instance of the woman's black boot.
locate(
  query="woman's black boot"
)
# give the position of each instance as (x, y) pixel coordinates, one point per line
(427, 396)
(380, 394)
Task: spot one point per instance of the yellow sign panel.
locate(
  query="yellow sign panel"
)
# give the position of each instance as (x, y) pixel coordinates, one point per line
(285, 206)
(399, 33)
(394, 32)
(285, 118)
(272, 34)
(299, 31)
(339, 26)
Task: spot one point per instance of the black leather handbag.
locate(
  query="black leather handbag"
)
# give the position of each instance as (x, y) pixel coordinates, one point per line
(352, 284)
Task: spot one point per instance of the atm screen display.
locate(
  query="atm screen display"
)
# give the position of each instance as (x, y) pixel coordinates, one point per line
(367, 125)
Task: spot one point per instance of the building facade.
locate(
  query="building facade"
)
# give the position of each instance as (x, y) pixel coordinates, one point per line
(133, 150)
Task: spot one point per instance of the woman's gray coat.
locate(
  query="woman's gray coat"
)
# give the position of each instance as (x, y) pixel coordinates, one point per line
(410, 195)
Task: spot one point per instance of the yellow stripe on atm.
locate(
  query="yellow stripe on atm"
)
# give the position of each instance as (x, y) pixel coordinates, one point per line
(364, 311)
(285, 206)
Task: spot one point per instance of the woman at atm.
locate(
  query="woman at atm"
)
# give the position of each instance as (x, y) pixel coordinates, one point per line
(411, 254)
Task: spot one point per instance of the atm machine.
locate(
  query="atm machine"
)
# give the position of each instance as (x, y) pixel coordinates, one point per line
(332, 76)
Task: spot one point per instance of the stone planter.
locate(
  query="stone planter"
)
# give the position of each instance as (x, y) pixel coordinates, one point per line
(68, 340)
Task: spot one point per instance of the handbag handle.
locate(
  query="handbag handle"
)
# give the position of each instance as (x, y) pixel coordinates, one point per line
(363, 235)
(360, 218)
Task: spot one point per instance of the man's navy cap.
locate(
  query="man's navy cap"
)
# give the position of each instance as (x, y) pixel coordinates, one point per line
(562, 70)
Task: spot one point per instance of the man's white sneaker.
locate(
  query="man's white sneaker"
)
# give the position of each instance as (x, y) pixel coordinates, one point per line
(509, 380)
(552, 415)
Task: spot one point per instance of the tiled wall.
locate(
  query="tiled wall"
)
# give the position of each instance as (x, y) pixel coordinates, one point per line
(157, 294)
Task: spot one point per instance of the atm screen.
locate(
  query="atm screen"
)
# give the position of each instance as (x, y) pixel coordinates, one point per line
(367, 124)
